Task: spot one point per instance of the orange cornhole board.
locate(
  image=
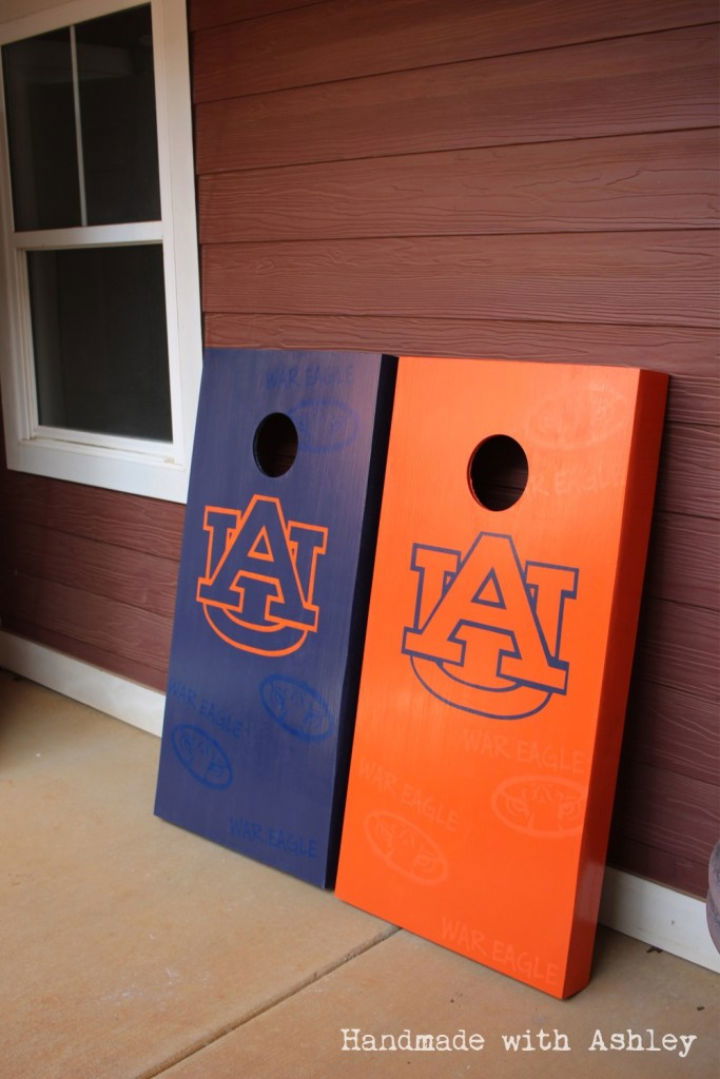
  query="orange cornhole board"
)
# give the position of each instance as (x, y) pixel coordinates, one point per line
(498, 656)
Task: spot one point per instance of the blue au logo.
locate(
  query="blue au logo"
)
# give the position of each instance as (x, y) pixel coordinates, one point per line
(487, 632)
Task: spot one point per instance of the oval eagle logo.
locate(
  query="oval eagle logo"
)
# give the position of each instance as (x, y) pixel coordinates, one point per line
(202, 756)
(547, 807)
(324, 425)
(405, 847)
(297, 708)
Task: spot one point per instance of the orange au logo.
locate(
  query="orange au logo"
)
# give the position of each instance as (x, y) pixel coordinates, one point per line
(257, 590)
(487, 634)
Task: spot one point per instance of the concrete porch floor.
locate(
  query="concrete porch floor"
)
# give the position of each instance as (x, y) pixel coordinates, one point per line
(132, 949)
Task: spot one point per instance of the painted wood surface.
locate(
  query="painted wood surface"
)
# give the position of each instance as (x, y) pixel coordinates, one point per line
(355, 38)
(498, 658)
(689, 355)
(659, 864)
(137, 578)
(685, 821)
(104, 659)
(90, 573)
(110, 518)
(673, 729)
(679, 645)
(215, 12)
(654, 82)
(684, 560)
(656, 278)
(633, 183)
(132, 633)
(272, 599)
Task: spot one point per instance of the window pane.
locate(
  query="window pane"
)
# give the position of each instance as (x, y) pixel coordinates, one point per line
(98, 318)
(41, 131)
(117, 110)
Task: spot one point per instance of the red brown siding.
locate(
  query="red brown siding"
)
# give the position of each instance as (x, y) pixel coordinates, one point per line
(91, 573)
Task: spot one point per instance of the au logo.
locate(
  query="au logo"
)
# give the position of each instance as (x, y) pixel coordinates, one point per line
(257, 590)
(487, 634)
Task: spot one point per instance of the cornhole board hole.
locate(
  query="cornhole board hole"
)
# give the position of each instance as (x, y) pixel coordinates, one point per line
(498, 655)
(272, 600)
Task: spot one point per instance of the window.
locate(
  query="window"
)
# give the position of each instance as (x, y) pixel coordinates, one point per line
(101, 352)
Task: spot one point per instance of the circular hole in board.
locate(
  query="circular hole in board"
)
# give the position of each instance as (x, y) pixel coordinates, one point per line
(276, 444)
(498, 472)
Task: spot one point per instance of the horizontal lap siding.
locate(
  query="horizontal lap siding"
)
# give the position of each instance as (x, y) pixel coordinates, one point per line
(348, 39)
(117, 520)
(133, 634)
(630, 183)
(688, 354)
(74, 644)
(137, 578)
(672, 729)
(654, 278)
(513, 180)
(653, 82)
(217, 12)
(90, 573)
(683, 810)
(684, 560)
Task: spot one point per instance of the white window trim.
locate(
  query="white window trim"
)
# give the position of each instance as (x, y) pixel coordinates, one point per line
(153, 469)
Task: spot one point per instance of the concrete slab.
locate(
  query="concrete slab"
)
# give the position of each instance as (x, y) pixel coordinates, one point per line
(127, 943)
(406, 984)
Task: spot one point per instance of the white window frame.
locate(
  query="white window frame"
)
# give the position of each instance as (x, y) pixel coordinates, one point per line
(152, 469)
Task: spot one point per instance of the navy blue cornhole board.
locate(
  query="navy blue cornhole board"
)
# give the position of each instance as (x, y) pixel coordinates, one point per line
(271, 605)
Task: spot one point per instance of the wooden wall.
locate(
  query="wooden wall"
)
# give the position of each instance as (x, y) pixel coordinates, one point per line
(90, 572)
(500, 178)
(510, 179)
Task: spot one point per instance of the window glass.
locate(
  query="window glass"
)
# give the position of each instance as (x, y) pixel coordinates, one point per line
(100, 343)
(82, 125)
(117, 110)
(41, 131)
(99, 330)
